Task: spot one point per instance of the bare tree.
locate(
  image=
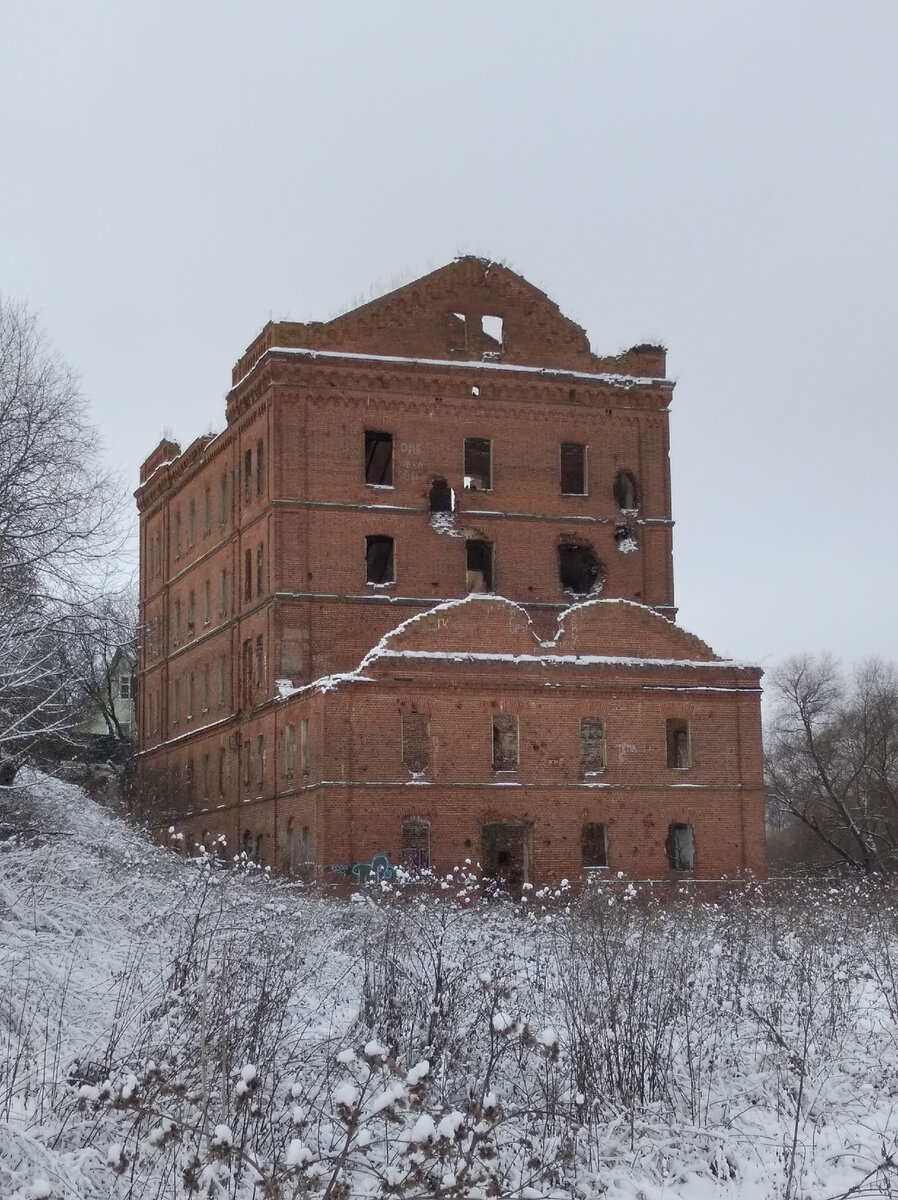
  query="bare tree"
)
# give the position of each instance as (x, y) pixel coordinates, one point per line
(60, 528)
(94, 649)
(833, 757)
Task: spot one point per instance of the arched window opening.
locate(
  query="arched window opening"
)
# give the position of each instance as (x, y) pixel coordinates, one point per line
(290, 849)
(594, 845)
(258, 854)
(680, 848)
(624, 539)
(626, 491)
(679, 750)
(416, 844)
(579, 569)
(247, 844)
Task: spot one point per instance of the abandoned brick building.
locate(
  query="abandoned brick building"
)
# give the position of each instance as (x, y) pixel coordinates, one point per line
(417, 599)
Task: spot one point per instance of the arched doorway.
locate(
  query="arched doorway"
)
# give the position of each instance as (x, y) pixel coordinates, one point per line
(506, 850)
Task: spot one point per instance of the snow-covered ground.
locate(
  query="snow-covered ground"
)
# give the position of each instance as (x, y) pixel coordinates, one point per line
(170, 1030)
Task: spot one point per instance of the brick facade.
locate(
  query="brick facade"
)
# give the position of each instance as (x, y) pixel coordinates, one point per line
(417, 597)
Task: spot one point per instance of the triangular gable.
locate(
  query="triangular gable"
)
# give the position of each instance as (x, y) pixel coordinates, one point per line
(455, 314)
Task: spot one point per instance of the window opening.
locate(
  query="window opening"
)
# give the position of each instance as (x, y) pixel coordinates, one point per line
(592, 745)
(205, 687)
(594, 845)
(207, 510)
(247, 476)
(304, 746)
(260, 661)
(573, 469)
(458, 337)
(681, 848)
(305, 848)
(191, 523)
(126, 687)
(247, 671)
(579, 569)
(191, 613)
(678, 748)
(222, 770)
(479, 564)
(505, 742)
(415, 741)
(223, 500)
(290, 751)
(247, 574)
(222, 675)
(223, 591)
(478, 475)
(260, 474)
(207, 601)
(379, 564)
(378, 458)
(492, 332)
(177, 621)
(247, 844)
(260, 760)
(259, 856)
(416, 844)
(205, 779)
(177, 535)
(442, 497)
(260, 568)
(190, 696)
(290, 849)
(626, 493)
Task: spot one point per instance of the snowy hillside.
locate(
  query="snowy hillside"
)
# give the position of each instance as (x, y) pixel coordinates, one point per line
(169, 1030)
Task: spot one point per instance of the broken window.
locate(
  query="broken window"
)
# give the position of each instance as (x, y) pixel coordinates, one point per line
(379, 559)
(492, 335)
(678, 749)
(442, 498)
(594, 845)
(626, 493)
(681, 848)
(505, 742)
(415, 741)
(416, 844)
(579, 569)
(479, 563)
(478, 476)
(378, 458)
(573, 469)
(592, 745)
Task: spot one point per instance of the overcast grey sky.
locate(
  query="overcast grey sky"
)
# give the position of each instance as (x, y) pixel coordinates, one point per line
(721, 177)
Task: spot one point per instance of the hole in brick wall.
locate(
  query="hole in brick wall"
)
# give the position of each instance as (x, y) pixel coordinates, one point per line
(679, 754)
(415, 741)
(579, 569)
(505, 742)
(442, 497)
(416, 844)
(573, 469)
(624, 539)
(479, 564)
(594, 844)
(626, 491)
(478, 475)
(378, 458)
(680, 847)
(492, 331)
(592, 745)
(379, 562)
